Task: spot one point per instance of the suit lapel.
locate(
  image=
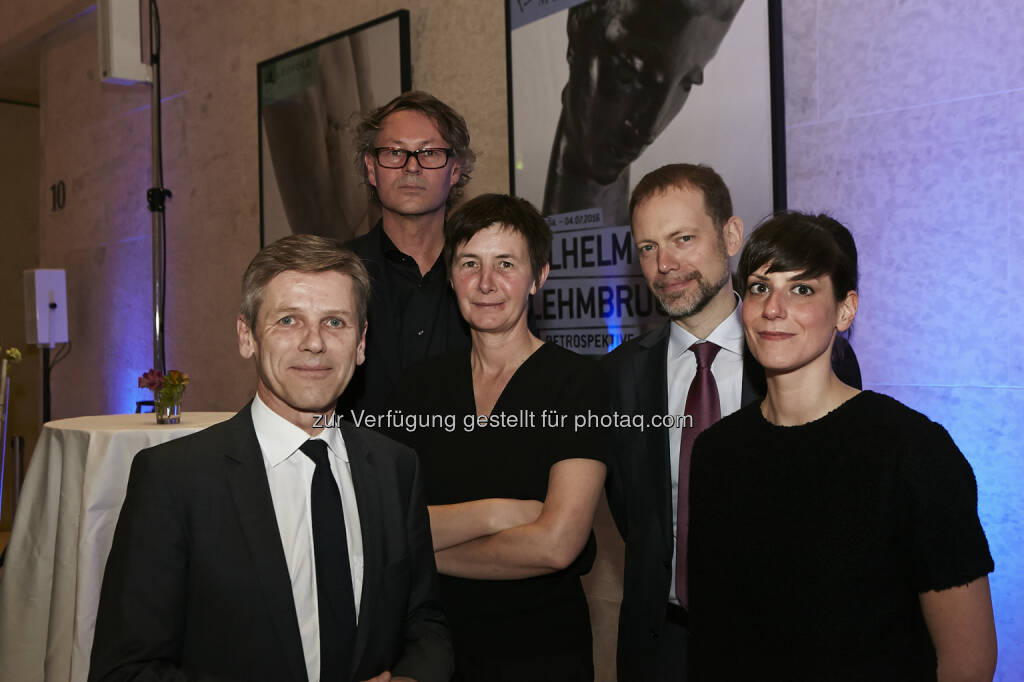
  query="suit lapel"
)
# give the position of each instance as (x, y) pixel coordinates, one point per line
(247, 481)
(367, 501)
(650, 367)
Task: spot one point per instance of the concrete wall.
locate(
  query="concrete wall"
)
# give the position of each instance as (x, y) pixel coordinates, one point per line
(23, 23)
(906, 121)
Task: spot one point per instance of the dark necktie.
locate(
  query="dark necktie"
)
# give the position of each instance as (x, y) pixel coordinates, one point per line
(336, 605)
(703, 405)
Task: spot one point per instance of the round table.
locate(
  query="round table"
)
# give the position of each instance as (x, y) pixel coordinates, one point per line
(63, 528)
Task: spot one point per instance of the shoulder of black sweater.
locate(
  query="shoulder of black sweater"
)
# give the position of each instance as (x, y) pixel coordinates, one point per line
(883, 412)
(367, 246)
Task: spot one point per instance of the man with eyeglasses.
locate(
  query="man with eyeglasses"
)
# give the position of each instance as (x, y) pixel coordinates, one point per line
(416, 157)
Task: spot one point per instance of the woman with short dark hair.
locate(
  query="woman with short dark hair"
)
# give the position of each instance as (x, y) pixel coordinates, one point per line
(834, 532)
(511, 482)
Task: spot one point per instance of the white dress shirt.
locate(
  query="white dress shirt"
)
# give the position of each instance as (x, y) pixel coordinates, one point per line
(727, 369)
(290, 474)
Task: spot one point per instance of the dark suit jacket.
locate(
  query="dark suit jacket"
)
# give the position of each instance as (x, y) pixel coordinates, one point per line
(197, 588)
(639, 488)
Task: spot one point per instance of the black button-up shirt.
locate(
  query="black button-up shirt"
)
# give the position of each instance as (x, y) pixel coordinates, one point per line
(411, 318)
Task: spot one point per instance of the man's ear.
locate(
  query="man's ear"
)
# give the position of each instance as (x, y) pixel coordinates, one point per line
(371, 169)
(847, 311)
(732, 233)
(456, 172)
(246, 342)
(361, 348)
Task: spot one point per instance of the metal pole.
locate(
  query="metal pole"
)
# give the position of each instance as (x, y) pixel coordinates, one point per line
(155, 198)
(159, 232)
(46, 384)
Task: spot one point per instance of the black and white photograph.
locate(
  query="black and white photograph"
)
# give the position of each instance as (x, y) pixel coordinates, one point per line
(604, 91)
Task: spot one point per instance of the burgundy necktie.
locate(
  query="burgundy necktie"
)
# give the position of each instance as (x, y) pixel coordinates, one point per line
(703, 406)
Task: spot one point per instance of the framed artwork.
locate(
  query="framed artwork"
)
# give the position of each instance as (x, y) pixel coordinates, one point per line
(310, 100)
(603, 91)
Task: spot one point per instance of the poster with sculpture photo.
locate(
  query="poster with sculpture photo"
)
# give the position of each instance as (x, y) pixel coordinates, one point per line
(309, 102)
(604, 91)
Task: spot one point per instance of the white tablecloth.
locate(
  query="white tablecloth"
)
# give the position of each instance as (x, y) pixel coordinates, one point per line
(62, 532)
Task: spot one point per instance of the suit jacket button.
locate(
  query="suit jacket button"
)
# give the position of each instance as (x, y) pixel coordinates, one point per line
(666, 563)
(654, 634)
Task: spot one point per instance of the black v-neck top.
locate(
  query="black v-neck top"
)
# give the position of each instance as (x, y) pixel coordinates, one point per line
(510, 457)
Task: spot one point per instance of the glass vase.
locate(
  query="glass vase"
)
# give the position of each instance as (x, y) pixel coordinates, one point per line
(167, 412)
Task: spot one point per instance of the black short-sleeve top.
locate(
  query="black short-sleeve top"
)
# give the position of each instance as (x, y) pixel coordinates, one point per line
(809, 545)
(532, 426)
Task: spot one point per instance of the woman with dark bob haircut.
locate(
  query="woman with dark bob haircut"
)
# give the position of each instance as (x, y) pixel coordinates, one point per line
(834, 533)
(511, 485)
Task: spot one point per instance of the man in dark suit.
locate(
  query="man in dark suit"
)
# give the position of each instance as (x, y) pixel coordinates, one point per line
(269, 547)
(684, 233)
(417, 161)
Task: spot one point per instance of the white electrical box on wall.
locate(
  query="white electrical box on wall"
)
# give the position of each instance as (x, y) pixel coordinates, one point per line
(120, 37)
(46, 307)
